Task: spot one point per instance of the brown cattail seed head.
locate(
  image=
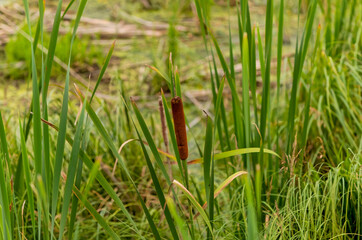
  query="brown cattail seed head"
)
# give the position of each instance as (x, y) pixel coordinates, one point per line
(180, 127)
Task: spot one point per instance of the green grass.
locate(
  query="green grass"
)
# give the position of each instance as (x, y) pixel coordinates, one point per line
(265, 162)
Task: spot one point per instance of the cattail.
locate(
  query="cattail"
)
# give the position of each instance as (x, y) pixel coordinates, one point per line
(180, 127)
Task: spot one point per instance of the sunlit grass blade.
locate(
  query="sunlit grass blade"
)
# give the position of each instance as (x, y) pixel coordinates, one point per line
(252, 73)
(279, 61)
(4, 185)
(68, 7)
(78, 178)
(214, 80)
(52, 45)
(231, 51)
(162, 74)
(298, 68)
(207, 158)
(37, 131)
(223, 155)
(208, 165)
(73, 164)
(74, 204)
(150, 142)
(252, 222)
(46, 69)
(91, 177)
(177, 83)
(3, 143)
(28, 181)
(245, 95)
(42, 201)
(76, 146)
(266, 81)
(103, 70)
(64, 111)
(217, 156)
(235, 99)
(265, 117)
(36, 102)
(223, 185)
(178, 219)
(261, 54)
(60, 150)
(203, 19)
(219, 100)
(309, 96)
(194, 202)
(46, 171)
(222, 110)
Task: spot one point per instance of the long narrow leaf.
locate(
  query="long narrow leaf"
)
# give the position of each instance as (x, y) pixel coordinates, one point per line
(194, 202)
(95, 214)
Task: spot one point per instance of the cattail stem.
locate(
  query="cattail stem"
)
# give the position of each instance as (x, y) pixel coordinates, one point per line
(164, 134)
(180, 127)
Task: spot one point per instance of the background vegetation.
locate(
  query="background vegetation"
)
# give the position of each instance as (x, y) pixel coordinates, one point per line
(272, 100)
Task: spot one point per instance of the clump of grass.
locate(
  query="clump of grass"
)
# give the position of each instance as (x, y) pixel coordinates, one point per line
(241, 190)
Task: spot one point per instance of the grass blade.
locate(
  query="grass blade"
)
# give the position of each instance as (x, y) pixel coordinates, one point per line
(95, 214)
(4, 185)
(279, 59)
(298, 68)
(266, 81)
(103, 70)
(73, 163)
(194, 202)
(209, 170)
(158, 188)
(245, 94)
(28, 181)
(150, 142)
(179, 221)
(223, 185)
(223, 155)
(63, 118)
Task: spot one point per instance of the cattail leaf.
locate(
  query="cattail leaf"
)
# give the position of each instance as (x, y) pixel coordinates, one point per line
(207, 159)
(179, 221)
(217, 156)
(150, 142)
(221, 187)
(159, 189)
(194, 202)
